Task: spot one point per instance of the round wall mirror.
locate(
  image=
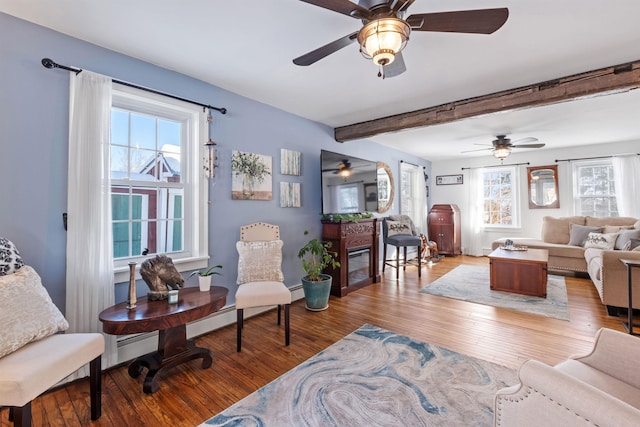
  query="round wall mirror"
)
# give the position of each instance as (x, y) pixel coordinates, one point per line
(385, 187)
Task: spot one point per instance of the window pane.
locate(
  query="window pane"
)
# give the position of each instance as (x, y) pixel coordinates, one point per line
(119, 127)
(143, 131)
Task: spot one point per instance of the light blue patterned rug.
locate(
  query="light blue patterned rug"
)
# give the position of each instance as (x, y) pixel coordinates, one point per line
(374, 377)
(471, 283)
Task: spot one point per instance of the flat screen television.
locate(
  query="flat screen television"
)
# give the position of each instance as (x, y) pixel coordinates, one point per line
(349, 184)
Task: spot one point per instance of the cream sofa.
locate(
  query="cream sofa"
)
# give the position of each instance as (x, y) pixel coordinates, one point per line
(606, 271)
(599, 389)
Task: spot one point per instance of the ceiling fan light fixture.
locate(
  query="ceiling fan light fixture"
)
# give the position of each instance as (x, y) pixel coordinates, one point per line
(344, 173)
(382, 39)
(501, 153)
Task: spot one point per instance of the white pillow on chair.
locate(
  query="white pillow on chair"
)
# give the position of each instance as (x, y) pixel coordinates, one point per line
(260, 261)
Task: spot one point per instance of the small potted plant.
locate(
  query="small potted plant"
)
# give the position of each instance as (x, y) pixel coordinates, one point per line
(315, 256)
(204, 277)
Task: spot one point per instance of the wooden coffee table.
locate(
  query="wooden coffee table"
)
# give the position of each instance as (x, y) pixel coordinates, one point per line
(520, 272)
(171, 322)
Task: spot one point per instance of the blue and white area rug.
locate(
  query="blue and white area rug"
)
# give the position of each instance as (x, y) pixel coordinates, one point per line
(374, 377)
(471, 283)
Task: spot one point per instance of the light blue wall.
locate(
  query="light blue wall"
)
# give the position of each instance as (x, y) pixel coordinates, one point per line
(33, 158)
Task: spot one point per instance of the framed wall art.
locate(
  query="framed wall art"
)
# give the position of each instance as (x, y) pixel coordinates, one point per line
(290, 162)
(252, 176)
(290, 195)
(449, 179)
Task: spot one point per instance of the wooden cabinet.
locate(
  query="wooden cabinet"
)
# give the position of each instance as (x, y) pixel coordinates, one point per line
(357, 246)
(444, 228)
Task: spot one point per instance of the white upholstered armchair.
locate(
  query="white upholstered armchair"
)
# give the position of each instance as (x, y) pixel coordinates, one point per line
(599, 389)
(260, 278)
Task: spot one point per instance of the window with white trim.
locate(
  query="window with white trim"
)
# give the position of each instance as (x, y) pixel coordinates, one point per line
(594, 188)
(499, 197)
(158, 191)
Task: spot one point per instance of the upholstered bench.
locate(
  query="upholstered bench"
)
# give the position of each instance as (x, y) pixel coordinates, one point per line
(34, 353)
(34, 368)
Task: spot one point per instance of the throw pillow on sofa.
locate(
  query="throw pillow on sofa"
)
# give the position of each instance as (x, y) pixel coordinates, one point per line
(623, 243)
(578, 234)
(634, 244)
(601, 240)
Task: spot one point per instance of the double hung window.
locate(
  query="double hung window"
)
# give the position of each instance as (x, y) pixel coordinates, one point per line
(594, 188)
(499, 197)
(158, 192)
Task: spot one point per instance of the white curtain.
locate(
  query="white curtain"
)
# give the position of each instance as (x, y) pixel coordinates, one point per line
(421, 201)
(472, 222)
(89, 236)
(626, 173)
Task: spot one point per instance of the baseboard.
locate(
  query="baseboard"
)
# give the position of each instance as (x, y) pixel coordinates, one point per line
(132, 346)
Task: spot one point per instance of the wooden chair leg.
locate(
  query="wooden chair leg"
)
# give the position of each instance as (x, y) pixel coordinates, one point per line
(384, 256)
(21, 416)
(397, 262)
(404, 266)
(286, 324)
(95, 387)
(240, 325)
(419, 261)
(279, 309)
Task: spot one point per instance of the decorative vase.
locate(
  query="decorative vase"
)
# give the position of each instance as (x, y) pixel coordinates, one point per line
(132, 299)
(205, 283)
(316, 294)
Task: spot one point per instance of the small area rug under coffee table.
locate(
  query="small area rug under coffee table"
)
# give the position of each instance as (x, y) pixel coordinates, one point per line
(374, 377)
(471, 283)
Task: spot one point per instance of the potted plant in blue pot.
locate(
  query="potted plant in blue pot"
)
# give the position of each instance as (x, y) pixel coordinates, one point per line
(315, 256)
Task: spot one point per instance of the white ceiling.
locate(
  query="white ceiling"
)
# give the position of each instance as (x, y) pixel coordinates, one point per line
(247, 47)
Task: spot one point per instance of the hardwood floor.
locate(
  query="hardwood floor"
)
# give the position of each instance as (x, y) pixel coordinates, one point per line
(189, 395)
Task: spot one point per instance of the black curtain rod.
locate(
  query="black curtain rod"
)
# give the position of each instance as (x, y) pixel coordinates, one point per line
(599, 157)
(48, 63)
(497, 166)
(412, 164)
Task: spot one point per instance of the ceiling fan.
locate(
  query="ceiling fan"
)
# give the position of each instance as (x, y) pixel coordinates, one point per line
(343, 169)
(501, 146)
(385, 30)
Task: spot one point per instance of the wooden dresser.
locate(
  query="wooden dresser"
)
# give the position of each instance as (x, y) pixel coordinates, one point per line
(444, 228)
(357, 246)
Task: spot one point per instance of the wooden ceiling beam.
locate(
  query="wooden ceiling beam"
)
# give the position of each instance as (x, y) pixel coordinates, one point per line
(607, 80)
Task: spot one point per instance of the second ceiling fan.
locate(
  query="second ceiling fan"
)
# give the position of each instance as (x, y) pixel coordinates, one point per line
(385, 30)
(501, 146)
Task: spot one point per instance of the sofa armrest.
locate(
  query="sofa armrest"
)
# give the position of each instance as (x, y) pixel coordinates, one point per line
(617, 354)
(614, 279)
(549, 397)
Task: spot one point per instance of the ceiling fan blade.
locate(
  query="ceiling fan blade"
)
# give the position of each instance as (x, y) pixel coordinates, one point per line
(481, 21)
(528, 146)
(342, 6)
(396, 68)
(525, 140)
(479, 149)
(326, 50)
